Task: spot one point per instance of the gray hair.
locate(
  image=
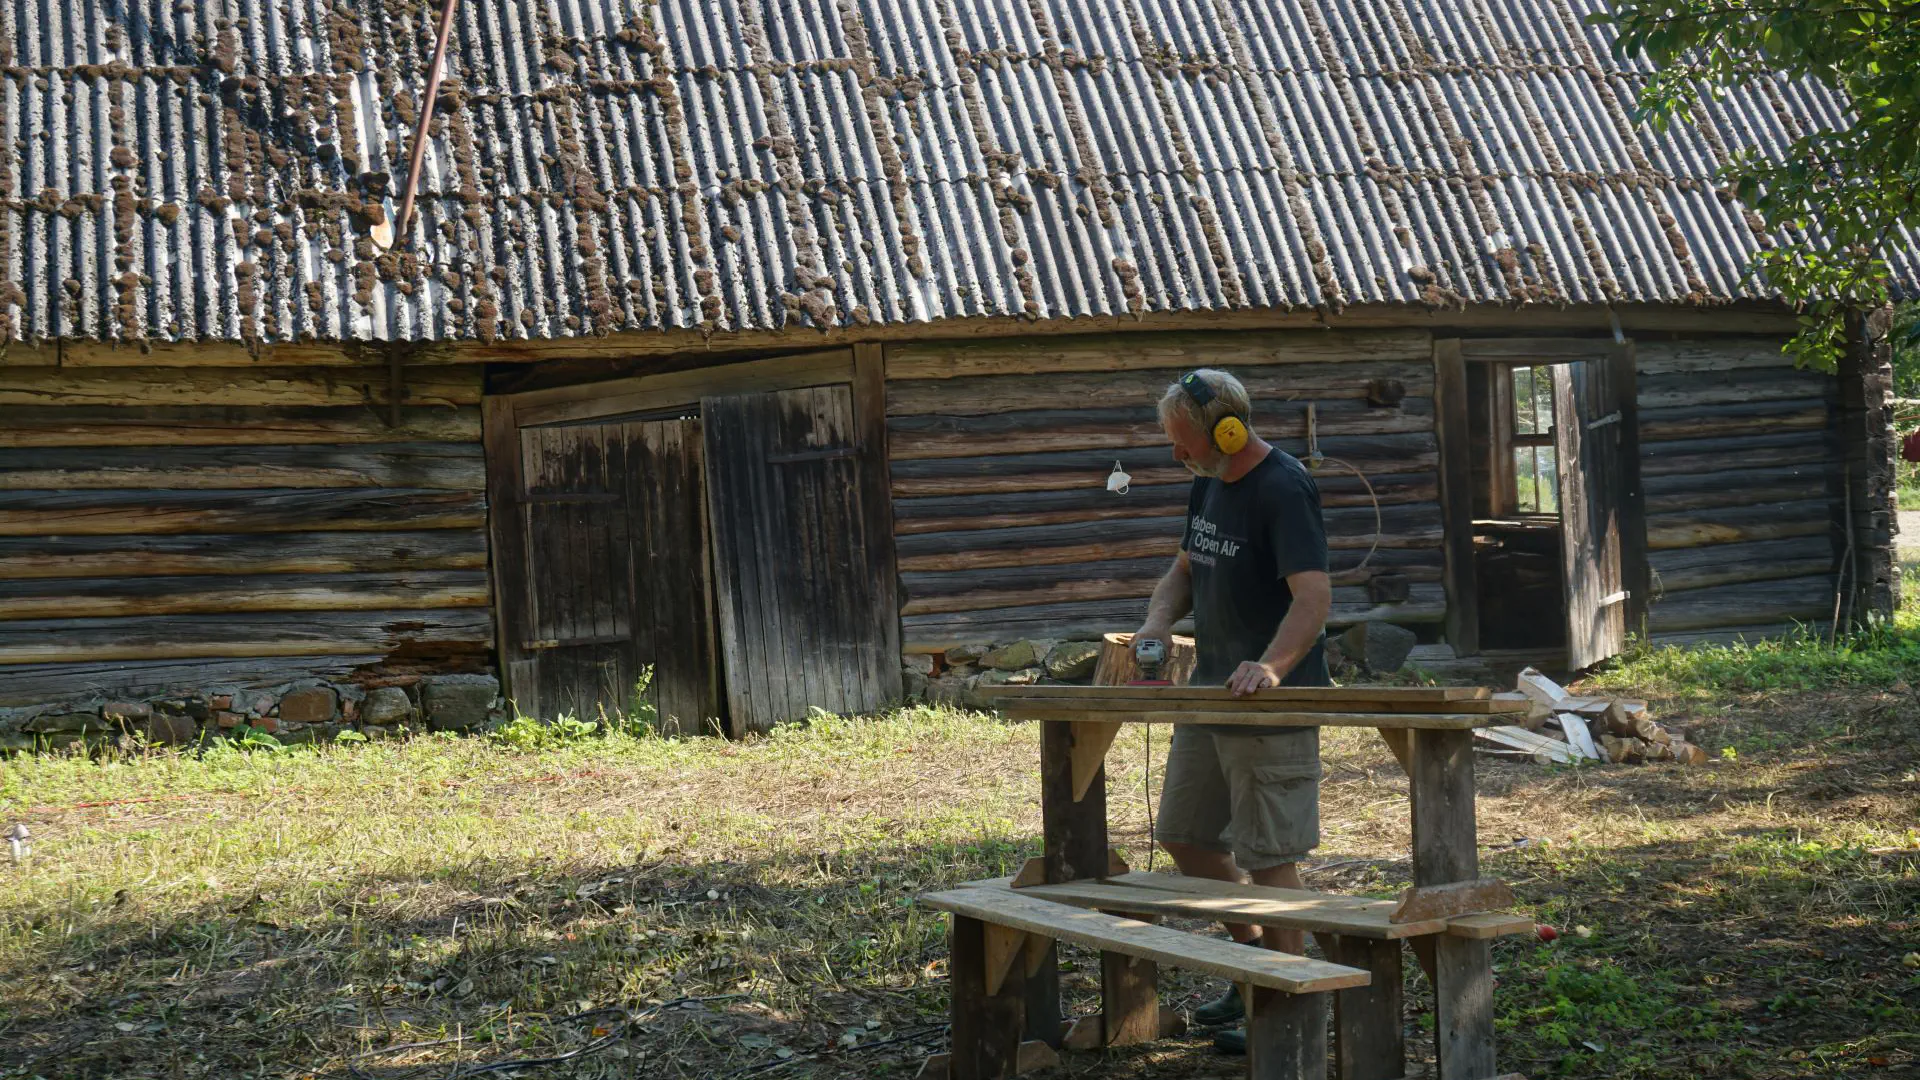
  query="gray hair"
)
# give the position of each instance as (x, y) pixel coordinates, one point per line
(1229, 399)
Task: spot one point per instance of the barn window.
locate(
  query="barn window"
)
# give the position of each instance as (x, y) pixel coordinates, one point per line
(1530, 434)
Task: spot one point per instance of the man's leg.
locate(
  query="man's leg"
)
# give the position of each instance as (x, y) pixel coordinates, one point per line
(1284, 876)
(1219, 865)
(1194, 814)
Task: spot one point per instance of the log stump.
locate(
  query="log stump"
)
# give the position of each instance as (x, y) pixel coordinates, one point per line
(1117, 668)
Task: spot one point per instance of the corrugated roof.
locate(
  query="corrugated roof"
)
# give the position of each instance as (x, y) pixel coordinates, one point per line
(209, 171)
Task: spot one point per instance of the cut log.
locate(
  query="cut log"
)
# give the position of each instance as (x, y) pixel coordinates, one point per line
(1682, 569)
(1707, 389)
(1116, 666)
(1578, 735)
(1757, 418)
(1654, 357)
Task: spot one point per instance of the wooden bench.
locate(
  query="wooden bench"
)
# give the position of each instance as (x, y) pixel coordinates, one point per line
(1369, 1043)
(999, 932)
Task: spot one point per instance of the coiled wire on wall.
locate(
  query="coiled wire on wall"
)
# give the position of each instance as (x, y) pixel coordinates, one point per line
(1315, 459)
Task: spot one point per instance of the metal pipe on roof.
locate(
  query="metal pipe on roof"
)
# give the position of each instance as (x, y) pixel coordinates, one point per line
(418, 155)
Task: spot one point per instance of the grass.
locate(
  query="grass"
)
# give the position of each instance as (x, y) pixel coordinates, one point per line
(273, 913)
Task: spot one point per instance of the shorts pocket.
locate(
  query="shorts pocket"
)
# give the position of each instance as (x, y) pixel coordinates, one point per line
(1278, 811)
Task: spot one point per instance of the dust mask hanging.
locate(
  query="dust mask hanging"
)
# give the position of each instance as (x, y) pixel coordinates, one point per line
(1118, 480)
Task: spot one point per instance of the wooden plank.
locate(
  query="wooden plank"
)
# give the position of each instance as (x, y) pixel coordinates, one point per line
(1286, 1035)
(1402, 695)
(118, 513)
(1533, 350)
(1098, 353)
(78, 598)
(1749, 603)
(36, 684)
(1592, 496)
(1520, 738)
(1462, 722)
(1728, 564)
(1456, 496)
(1039, 431)
(1091, 738)
(1424, 903)
(1261, 967)
(1736, 490)
(441, 466)
(1707, 389)
(41, 557)
(1738, 524)
(177, 637)
(1463, 1007)
(1141, 389)
(1445, 844)
(988, 472)
(1727, 421)
(81, 353)
(1256, 704)
(507, 543)
(1693, 456)
(882, 672)
(648, 393)
(43, 387)
(1288, 909)
(1488, 925)
(1369, 1040)
(1129, 1000)
(1073, 824)
(1658, 357)
(1005, 947)
(222, 425)
(1742, 317)
(1630, 491)
(986, 1024)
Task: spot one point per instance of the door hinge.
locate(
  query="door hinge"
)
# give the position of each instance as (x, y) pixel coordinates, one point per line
(1613, 598)
(1611, 418)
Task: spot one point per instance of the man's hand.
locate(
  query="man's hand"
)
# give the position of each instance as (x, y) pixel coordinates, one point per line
(1253, 675)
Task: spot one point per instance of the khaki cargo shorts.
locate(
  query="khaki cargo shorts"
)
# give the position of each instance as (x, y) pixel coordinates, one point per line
(1257, 796)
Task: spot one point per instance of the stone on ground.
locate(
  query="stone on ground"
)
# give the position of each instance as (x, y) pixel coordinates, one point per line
(1072, 660)
(1381, 648)
(457, 702)
(1015, 655)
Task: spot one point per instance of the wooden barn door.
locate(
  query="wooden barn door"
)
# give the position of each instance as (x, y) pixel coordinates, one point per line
(1598, 466)
(616, 572)
(803, 607)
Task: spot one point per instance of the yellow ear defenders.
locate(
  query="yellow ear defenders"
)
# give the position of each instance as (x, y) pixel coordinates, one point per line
(1229, 432)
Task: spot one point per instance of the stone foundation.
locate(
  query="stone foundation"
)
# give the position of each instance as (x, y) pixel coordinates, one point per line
(953, 677)
(307, 711)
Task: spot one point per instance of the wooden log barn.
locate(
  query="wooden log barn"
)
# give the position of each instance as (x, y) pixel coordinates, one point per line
(763, 344)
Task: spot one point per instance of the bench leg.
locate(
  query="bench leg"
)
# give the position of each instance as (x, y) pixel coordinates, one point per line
(986, 1027)
(1286, 1035)
(1129, 999)
(1043, 991)
(1368, 1042)
(1463, 1007)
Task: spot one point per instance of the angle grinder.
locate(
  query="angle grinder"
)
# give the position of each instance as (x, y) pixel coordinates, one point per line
(1149, 654)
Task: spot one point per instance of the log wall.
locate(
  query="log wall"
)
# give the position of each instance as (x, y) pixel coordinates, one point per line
(256, 524)
(999, 454)
(1741, 466)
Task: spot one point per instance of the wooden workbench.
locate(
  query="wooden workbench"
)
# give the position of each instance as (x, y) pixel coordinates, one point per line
(1429, 731)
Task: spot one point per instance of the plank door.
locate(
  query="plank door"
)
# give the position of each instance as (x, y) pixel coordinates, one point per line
(805, 615)
(1598, 470)
(617, 573)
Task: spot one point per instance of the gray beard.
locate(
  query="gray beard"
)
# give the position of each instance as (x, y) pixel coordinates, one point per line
(1211, 472)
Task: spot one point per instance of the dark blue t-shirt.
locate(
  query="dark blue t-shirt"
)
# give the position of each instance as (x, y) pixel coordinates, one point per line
(1242, 541)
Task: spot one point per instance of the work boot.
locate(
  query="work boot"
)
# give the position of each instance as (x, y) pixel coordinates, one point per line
(1231, 1041)
(1225, 1009)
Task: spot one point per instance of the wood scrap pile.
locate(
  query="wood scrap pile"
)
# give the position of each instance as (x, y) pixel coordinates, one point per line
(1564, 728)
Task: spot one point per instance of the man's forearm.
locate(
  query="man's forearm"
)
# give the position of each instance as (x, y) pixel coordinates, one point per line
(1172, 599)
(1295, 638)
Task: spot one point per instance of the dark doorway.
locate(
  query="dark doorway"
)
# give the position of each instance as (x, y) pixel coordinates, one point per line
(1555, 472)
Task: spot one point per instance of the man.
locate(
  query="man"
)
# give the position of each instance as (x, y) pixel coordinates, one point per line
(1253, 571)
